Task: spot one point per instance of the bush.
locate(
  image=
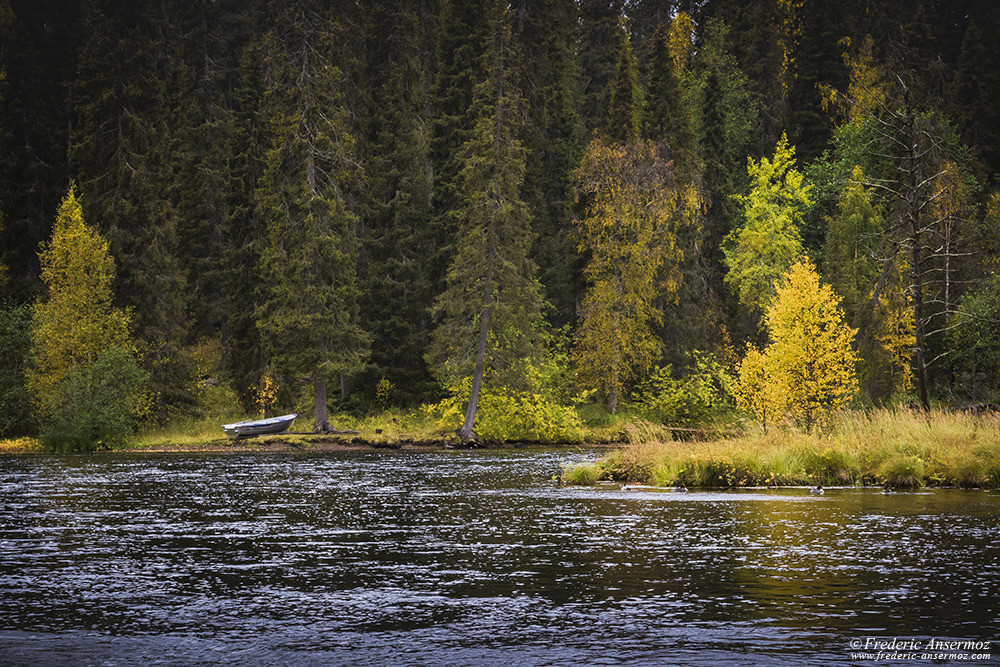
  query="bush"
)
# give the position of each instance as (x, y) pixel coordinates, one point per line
(510, 416)
(96, 406)
(15, 346)
(699, 397)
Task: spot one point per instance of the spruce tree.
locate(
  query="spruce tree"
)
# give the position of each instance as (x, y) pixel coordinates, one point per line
(309, 316)
(553, 138)
(39, 42)
(458, 56)
(123, 148)
(244, 232)
(622, 117)
(665, 116)
(491, 310)
(600, 46)
(396, 233)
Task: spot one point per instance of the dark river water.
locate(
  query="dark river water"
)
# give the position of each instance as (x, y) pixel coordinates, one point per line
(468, 558)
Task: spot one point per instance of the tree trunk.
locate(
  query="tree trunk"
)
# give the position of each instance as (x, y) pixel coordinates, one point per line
(918, 319)
(466, 433)
(321, 424)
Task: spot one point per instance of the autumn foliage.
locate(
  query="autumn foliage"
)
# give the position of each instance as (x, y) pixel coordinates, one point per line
(808, 370)
(77, 322)
(85, 380)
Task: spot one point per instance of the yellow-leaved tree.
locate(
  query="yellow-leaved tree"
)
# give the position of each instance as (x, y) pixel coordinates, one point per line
(83, 354)
(635, 211)
(757, 391)
(809, 367)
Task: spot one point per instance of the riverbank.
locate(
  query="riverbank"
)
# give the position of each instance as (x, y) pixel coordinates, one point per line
(290, 443)
(892, 448)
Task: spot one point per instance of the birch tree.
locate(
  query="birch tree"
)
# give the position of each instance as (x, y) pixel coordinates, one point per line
(634, 211)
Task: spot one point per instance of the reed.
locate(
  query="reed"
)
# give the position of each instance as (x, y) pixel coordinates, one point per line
(895, 447)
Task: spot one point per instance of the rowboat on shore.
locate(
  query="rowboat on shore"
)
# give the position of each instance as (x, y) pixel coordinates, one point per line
(255, 427)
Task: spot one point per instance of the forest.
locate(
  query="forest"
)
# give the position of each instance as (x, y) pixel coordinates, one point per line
(549, 209)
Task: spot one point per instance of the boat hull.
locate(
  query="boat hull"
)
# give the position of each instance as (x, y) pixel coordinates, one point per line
(255, 427)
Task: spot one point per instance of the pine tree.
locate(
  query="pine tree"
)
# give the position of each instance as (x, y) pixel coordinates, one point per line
(491, 310)
(309, 316)
(635, 210)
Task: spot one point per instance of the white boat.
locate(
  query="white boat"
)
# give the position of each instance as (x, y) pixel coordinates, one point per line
(253, 427)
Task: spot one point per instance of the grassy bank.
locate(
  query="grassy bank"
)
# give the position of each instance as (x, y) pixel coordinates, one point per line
(900, 448)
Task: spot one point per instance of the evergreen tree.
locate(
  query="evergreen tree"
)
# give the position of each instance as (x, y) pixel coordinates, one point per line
(973, 95)
(665, 116)
(208, 41)
(459, 51)
(122, 149)
(308, 317)
(15, 352)
(398, 235)
(244, 232)
(717, 178)
(491, 310)
(553, 139)
(600, 47)
(621, 120)
(38, 54)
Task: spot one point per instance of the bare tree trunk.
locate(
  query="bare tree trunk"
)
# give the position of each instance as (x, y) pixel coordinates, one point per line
(321, 423)
(466, 433)
(918, 317)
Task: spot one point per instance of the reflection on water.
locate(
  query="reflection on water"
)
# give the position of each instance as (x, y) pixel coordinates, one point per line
(468, 558)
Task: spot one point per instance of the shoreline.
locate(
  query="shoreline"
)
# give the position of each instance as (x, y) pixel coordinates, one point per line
(299, 443)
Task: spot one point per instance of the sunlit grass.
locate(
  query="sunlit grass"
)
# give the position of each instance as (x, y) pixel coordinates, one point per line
(899, 448)
(386, 427)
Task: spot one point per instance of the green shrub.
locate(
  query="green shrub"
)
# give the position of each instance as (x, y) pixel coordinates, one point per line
(97, 405)
(699, 397)
(15, 346)
(510, 416)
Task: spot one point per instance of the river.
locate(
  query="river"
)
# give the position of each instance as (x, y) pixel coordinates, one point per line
(472, 557)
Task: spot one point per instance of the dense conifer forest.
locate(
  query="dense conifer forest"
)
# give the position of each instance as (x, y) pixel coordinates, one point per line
(332, 203)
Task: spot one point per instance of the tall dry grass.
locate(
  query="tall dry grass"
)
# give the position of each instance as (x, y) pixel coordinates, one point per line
(895, 447)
